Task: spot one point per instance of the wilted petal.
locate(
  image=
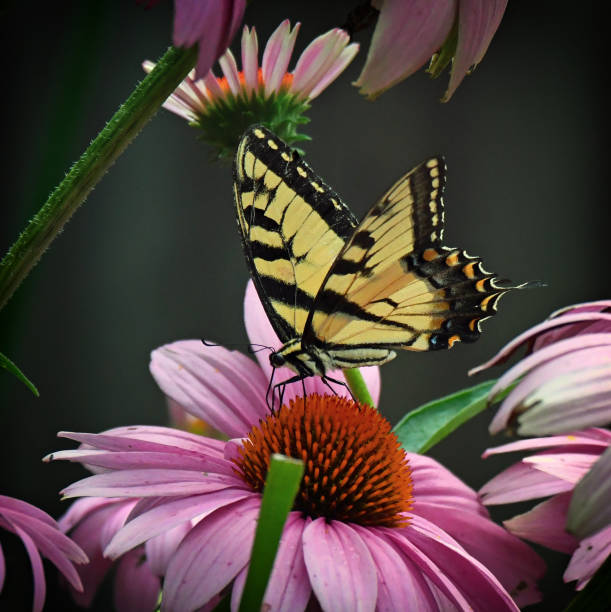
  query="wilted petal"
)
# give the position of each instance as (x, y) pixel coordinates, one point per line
(588, 558)
(544, 524)
(340, 567)
(590, 509)
(407, 33)
(478, 21)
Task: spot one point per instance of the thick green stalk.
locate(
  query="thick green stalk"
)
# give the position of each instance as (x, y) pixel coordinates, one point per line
(357, 385)
(123, 127)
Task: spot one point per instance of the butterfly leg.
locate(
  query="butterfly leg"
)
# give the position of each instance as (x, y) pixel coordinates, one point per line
(327, 379)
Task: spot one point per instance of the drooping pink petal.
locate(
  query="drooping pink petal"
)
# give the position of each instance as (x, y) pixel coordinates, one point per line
(136, 587)
(277, 55)
(342, 573)
(210, 556)
(288, 589)
(590, 555)
(223, 388)
(478, 20)
(40, 585)
(545, 524)
(2, 569)
(590, 509)
(250, 59)
(407, 33)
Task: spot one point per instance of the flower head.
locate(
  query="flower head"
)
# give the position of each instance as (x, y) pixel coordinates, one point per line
(553, 473)
(211, 24)
(223, 108)
(409, 32)
(40, 535)
(372, 524)
(563, 383)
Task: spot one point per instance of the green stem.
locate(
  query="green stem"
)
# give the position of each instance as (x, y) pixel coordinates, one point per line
(123, 127)
(357, 385)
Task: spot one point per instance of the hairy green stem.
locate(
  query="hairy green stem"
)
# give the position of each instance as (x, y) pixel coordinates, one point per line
(357, 385)
(123, 127)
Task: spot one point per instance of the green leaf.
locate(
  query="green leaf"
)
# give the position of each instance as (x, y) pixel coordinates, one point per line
(281, 486)
(424, 427)
(7, 364)
(596, 597)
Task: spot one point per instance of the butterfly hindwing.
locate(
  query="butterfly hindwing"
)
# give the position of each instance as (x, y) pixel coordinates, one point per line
(394, 285)
(292, 224)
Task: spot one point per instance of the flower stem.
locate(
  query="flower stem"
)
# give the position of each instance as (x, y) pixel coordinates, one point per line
(357, 385)
(122, 128)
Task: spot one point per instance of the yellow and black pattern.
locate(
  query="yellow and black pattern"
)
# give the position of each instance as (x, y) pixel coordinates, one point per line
(340, 294)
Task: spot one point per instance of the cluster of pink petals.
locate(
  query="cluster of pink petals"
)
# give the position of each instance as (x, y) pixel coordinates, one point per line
(447, 557)
(409, 32)
(211, 24)
(40, 535)
(323, 60)
(564, 384)
(555, 473)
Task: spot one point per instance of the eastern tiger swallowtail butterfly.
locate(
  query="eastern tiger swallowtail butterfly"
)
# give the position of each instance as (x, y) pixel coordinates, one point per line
(343, 294)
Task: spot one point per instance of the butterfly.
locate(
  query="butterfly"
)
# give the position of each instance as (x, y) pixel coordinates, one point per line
(344, 294)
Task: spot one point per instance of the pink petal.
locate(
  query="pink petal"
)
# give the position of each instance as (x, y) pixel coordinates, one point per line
(2, 569)
(569, 467)
(223, 388)
(590, 509)
(159, 550)
(136, 587)
(478, 21)
(171, 514)
(277, 55)
(213, 89)
(40, 585)
(12, 504)
(532, 333)
(288, 589)
(230, 70)
(340, 567)
(544, 524)
(521, 482)
(250, 59)
(334, 70)
(406, 35)
(588, 558)
(210, 556)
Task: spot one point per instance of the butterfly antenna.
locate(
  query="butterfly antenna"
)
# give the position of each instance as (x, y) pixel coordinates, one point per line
(262, 347)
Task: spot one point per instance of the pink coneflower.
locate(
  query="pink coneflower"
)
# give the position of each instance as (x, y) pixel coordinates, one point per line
(372, 524)
(553, 473)
(211, 24)
(224, 107)
(409, 32)
(40, 535)
(564, 383)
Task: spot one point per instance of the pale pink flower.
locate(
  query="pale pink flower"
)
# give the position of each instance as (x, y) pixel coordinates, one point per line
(211, 24)
(564, 382)
(266, 93)
(422, 538)
(40, 535)
(553, 473)
(409, 32)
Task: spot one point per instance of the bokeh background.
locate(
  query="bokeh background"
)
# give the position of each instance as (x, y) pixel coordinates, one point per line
(153, 256)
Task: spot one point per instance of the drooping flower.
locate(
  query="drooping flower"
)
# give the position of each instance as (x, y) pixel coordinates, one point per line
(40, 535)
(211, 24)
(553, 473)
(222, 108)
(563, 384)
(422, 538)
(409, 32)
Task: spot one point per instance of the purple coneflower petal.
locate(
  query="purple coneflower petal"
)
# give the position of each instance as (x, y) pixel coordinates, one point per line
(544, 524)
(588, 558)
(277, 55)
(40, 585)
(2, 569)
(570, 467)
(230, 70)
(478, 20)
(207, 559)
(342, 573)
(136, 587)
(250, 59)
(159, 550)
(334, 70)
(223, 388)
(406, 35)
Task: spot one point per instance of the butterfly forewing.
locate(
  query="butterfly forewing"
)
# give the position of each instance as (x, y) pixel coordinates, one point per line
(394, 285)
(292, 225)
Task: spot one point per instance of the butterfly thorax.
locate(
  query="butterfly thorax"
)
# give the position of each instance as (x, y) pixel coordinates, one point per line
(310, 361)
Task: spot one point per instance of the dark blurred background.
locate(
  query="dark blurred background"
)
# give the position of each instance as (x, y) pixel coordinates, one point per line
(153, 256)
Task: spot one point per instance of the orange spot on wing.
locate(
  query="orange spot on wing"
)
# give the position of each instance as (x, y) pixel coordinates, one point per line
(472, 324)
(468, 270)
(481, 285)
(452, 260)
(452, 340)
(430, 254)
(484, 303)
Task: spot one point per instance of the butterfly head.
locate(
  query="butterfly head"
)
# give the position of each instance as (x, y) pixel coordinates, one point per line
(304, 362)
